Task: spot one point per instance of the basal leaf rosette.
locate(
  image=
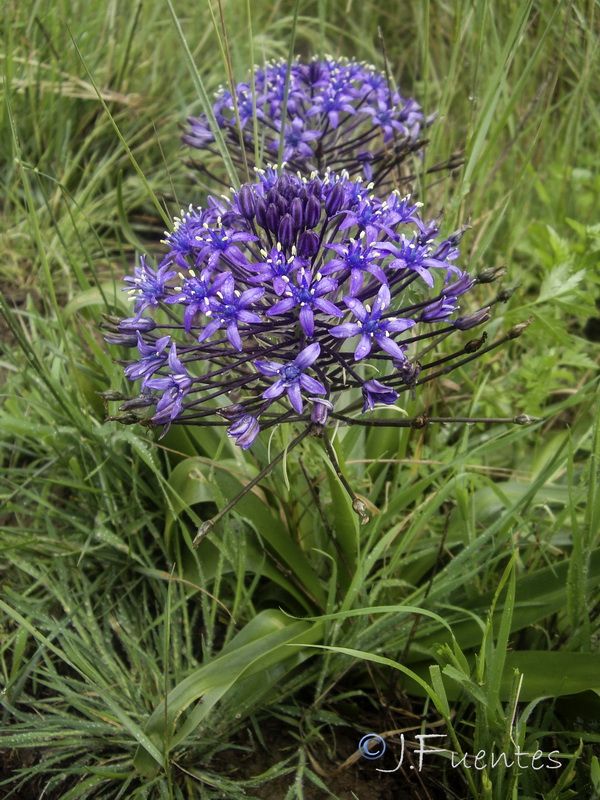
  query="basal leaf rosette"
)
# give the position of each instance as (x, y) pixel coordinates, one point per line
(339, 113)
(286, 301)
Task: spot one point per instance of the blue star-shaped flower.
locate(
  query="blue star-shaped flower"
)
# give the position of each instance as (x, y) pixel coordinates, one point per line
(220, 242)
(295, 140)
(417, 258)
(148, 287)
(332, 102)
(230, 310)
(196, 293)
(174, 387)
(375, 392)
(308, 294)
(277, 267)
(291, 377)
(387, 118)
(358, 257)
(153, 357)
(371, 327)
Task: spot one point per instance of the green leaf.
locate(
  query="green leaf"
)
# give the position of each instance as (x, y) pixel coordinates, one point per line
(263, 642)
(537, 595)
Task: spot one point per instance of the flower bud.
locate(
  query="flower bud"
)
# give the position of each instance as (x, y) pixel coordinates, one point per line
(246, 202)
(124, 419)
(285, 232)
(141, 401)
(312, 212)
(524, 419)
(314, 72)
(110, 318)
(273, 217)
(296, 212)
(490, 274)
(133, 324)
(455, 237)
(504, 295)
(335, 200)
(472, 320)
(408, 371)
(517, 330)
(261, 213)
(203, 531)
(231, 412)
(359, 507)
(474, 344)
(124, 339)
(282, 204)
(308, 244)
(320, 410)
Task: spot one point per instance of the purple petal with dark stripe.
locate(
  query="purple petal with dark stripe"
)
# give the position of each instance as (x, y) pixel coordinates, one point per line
(274, 391)
(307, 320)
(311, 385)
(308, 356)
(293, 392)
(363, 348)
(327, 307)
(282, 307)
(345, 331)
(389, 345)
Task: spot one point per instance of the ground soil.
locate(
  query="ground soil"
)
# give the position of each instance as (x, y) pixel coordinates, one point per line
(344, 772)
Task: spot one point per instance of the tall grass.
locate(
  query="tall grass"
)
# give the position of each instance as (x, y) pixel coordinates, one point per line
(129, 661)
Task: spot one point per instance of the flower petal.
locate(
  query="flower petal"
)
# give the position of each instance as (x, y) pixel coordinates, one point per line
(356, 307)
(382, 301)
(209, 330)
(293, 392)
(282, 307)
(395, 325)
(268, 367)
(356, 281)
(389, 345)
(250, 296)
(311, 385)
(327, 307)
(307, 320)
(363, 348)
(233, 335)
(274, 391)
(345, 331)
(308, 356)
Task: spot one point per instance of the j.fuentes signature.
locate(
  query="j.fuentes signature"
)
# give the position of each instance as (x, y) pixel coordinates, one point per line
(372, 747)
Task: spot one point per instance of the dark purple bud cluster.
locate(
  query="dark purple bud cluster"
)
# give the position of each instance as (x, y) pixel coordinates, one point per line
(340, 114)
(289, 300)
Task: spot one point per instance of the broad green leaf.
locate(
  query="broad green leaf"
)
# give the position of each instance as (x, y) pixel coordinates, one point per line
(538, 595)
(265, 642)
(545, 674)
(106, 296)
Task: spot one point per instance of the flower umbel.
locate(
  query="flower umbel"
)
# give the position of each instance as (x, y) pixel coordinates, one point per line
(340, 114)
(281, 294)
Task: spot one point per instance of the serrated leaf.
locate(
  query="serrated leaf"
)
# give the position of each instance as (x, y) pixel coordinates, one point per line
(561, 282)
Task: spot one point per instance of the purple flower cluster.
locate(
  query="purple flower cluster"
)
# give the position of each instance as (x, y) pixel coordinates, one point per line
(340, 114)
(291, 297)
